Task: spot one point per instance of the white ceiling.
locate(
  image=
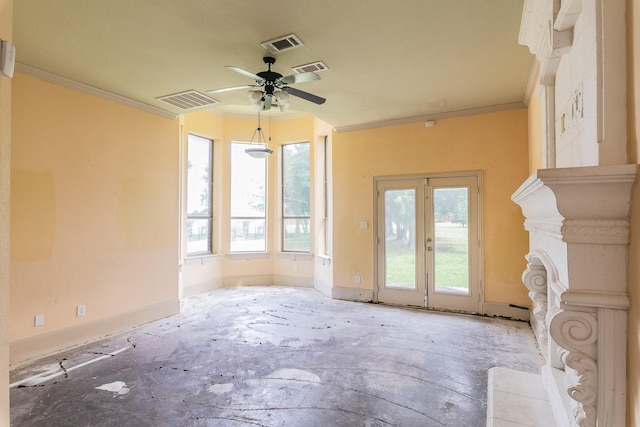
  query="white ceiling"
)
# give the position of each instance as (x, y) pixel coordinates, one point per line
(388, 60)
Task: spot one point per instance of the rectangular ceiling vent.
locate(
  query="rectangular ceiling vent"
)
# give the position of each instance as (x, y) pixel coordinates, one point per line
(313, 67)
(282, 43)
(188, 100)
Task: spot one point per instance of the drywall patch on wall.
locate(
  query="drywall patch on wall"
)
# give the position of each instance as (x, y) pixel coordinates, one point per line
(33, 211)
(141, 228)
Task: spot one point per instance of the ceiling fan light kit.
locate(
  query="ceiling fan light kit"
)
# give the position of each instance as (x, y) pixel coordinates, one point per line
(273, 91)
(274, 85)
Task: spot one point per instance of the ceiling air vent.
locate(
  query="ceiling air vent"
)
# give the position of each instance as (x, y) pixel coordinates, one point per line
(314, 67)
(282, 43)
(188, 100)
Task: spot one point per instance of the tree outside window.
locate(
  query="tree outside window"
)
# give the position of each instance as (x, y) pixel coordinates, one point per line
(199, 186)
(296, 185)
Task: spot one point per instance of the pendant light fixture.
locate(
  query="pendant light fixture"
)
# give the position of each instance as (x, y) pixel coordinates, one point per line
(259, 149)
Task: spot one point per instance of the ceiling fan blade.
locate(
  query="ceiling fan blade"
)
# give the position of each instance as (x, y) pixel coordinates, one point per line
(227, 89)
(245, 73)
(304, 95)
(300, 78)
(267, 102)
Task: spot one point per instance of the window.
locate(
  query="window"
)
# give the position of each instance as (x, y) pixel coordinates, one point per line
(324, 244)
(199, 186)
(296, 184)
(248, 201)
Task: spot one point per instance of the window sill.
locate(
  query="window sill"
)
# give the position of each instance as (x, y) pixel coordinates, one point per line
(295, 256)
(323, 259)
(248, 255)
(201, 259)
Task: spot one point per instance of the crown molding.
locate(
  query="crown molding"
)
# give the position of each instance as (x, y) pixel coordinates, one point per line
(92, 90)
(438, 116)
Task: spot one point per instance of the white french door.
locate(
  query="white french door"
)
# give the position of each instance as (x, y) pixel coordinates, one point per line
(428, 242)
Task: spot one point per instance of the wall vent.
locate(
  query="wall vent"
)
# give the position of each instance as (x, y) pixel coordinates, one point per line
(282, 43)
(313, 67)
(188, 100)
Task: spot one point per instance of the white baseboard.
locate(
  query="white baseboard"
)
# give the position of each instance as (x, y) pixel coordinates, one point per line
(30, 349)
(323, 287)
(232, 281)
(284, 280)
(501, 309)
(199, 288)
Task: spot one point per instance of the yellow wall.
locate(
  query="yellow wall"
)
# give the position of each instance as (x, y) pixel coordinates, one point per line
(633, 117)
(495, 143)
(6, 21)
(94, 207)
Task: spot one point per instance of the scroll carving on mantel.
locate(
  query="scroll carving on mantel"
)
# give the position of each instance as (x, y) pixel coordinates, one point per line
(576, 334)
(535, 279)
(577, 219)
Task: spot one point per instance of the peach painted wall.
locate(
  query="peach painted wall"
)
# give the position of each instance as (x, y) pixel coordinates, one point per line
(94, 207)
(633, 132)
(6, 21)
(495, 143)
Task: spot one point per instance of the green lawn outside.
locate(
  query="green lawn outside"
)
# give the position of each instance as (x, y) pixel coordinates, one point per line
(451, 258)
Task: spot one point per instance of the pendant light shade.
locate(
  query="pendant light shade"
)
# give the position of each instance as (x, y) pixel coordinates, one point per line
(258, 149)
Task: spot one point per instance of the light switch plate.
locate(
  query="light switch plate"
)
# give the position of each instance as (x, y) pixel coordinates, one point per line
(7, 58)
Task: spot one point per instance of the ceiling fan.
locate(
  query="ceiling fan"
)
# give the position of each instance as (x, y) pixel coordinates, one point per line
(273, 86)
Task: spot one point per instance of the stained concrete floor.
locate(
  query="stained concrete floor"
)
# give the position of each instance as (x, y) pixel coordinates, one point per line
(278, 356)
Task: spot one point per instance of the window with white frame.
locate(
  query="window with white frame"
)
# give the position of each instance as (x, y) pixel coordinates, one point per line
(248, 201)
(199, 189)
(296, 198)
(324, 171)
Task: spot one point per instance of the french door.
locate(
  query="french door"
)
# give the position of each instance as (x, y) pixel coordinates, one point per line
(428, 242)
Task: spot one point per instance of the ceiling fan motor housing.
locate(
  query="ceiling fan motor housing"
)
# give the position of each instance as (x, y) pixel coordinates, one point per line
(270, 81)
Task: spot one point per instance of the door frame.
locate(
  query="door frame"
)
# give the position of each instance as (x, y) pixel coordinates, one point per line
(478, 174)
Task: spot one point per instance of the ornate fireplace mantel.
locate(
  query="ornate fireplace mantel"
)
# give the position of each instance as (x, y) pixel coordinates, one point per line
(577, 219)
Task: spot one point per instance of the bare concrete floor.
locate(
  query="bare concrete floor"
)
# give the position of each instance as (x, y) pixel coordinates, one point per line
(276, 356)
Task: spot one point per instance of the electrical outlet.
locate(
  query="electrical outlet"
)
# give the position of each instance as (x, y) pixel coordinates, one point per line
(80, 310)
(357, 279)
(38, 320)
(295, 268)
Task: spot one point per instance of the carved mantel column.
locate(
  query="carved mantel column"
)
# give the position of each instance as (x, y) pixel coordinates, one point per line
(577, 219)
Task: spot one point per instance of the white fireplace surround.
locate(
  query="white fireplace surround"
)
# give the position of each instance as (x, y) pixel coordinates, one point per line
(577, 219)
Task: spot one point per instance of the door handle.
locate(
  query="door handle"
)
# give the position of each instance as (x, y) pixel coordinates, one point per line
(429, 248)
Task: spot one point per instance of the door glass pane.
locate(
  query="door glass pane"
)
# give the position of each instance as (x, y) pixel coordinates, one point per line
(451, 238)
(400, 241)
